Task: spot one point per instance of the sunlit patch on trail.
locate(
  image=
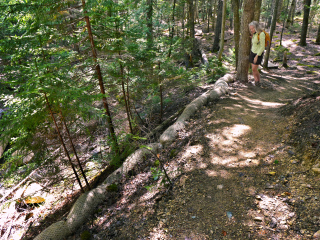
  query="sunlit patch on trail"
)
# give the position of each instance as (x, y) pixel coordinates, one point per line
(192, 150)
(272, 212)
(220, 173)
(245, 163)
(259, 103)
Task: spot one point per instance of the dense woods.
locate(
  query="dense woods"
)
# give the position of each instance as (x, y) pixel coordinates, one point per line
(110, 72)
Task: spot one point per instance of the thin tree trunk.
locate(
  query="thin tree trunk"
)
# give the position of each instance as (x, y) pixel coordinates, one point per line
(75, 152)
(271, 10)
(273, 27)
(284, 22)
(222, 29)
(217, 30)
(235, 8)
(293, 11)
(214, 14)
(161, 95)
(318, 36)
(257, 8)
(231, 17)
(62, 142)
(125, 97)
(289, 21)
(182, 25)
(312, 15)
(101, 84)
(245, 41)
(172, 29)
(196, 11)
(129, 99)
(149, 24)
(304, 29)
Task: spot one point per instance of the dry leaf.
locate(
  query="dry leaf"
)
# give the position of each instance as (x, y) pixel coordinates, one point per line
(32, 200)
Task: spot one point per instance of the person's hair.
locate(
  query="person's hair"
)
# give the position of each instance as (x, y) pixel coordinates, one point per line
(256, 26)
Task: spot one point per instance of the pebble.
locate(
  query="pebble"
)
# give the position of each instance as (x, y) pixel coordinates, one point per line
(219, 186)
(269, 186)
(273, 223)
(258, 197)
(316, 235)
(258, 219)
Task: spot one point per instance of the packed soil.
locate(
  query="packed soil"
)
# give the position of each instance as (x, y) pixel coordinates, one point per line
(242, 169)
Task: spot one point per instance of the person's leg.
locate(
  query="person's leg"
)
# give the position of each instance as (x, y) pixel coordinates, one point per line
(255, 73)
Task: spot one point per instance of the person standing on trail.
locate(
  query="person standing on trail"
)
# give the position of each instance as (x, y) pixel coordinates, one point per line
(257, 49)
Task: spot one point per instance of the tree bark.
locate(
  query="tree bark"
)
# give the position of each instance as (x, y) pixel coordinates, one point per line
(271, 10)
(149, 24)
(257, 8)
(222, 29)
(318, 36)
(280, 5)
(235, 8)
(291, 14)
(304, 29)
(214, 14)
(196, 10)
(273, 27)
(284, 22)
(172, 29)
(313, 12)
(245, 41)
(217, 30)
(191, 19)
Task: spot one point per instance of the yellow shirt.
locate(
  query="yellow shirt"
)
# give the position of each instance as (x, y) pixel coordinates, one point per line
(258, 47)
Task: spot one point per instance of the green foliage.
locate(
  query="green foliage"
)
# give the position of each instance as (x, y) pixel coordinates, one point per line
(47, 65)
(215, 70)
(156, 173)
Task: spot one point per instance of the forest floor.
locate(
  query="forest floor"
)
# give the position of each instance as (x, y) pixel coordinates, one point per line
(242, 169)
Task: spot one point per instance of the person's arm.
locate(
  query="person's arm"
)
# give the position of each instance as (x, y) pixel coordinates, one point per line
(262, 39)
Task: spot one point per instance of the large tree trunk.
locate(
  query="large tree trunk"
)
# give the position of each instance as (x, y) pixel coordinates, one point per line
(222, 29)
(217, 29)
(304, 29)
(313, 13)
(235, 7)
(196, 11)
(318, 36)
(273, 27)
(191, 18)
(245, 41)
(257, 8)
(280, 5)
